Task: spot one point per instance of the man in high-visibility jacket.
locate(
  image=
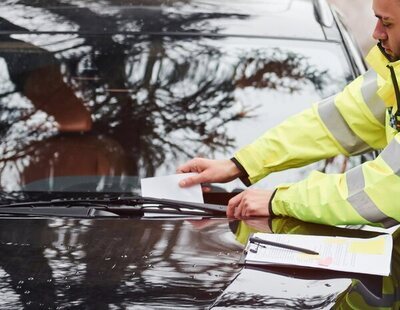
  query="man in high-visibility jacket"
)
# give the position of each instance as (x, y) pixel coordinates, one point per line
(364, 116)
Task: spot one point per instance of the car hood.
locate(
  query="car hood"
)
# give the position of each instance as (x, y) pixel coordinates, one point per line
(95, 263)
(158, 263)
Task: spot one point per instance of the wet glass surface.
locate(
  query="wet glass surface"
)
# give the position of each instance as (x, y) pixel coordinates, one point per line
(136, 103)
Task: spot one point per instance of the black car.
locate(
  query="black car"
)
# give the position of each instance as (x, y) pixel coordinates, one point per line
(96, 95)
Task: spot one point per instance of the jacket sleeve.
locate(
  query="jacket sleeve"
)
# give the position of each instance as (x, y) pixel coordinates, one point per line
(366, 194)
(349, 123)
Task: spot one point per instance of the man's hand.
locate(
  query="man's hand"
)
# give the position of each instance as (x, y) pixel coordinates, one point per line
(219, 171)
(251, 202)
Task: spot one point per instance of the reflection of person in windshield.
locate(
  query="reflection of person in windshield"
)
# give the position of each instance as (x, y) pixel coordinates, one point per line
(39, 78)
(364, 117)
(72, 150)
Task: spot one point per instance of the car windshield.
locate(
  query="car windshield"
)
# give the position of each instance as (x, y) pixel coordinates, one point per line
(81, 112)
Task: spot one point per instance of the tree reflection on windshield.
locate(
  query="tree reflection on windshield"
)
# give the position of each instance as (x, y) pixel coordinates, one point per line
(158, 98)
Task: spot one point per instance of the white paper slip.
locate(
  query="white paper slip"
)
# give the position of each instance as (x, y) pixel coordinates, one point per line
(168, 187)
(359, 255)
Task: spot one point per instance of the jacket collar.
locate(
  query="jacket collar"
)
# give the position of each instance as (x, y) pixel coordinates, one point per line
(379, 60)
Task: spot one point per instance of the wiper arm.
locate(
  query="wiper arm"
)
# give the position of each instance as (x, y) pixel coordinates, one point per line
(122, 206)
(212, 209)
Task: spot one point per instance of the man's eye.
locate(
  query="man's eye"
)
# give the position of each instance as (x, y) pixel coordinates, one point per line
(386, 25)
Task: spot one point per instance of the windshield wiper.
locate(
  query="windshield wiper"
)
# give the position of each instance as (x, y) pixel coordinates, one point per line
(118, 207)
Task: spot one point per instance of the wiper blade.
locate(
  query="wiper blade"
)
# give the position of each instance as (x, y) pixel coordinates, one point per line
(122, 206)
(76, 211)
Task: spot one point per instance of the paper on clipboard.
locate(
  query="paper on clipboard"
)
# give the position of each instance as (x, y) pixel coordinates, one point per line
(369, 256)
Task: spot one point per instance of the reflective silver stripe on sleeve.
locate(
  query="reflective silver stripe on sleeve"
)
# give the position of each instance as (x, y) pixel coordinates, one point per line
(371, 98)
(361, 202)
(391, 156)
(336, 124)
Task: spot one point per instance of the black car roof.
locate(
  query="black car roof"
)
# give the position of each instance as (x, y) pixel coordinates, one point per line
(300, 19)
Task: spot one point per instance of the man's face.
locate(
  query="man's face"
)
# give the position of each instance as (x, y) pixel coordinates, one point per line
(387, 29)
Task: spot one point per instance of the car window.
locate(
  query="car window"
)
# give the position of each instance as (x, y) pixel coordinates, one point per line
(98, 113)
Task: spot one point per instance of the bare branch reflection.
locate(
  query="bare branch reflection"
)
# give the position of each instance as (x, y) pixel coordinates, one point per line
(158, 97)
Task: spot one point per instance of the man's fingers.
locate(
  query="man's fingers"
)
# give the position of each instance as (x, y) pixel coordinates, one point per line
(193, 180)
(185, 168)
(194, 165)
(233, 203)
(206, 188)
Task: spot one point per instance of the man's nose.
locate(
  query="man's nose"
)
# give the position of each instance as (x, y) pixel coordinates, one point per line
(379, 31)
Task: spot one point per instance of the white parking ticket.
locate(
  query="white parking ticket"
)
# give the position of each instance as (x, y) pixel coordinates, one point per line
(168, 187)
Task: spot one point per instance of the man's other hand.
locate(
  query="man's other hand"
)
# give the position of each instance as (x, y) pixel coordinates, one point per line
(251, 202)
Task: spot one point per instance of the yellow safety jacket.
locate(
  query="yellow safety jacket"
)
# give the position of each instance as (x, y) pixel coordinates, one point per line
(361, 118)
